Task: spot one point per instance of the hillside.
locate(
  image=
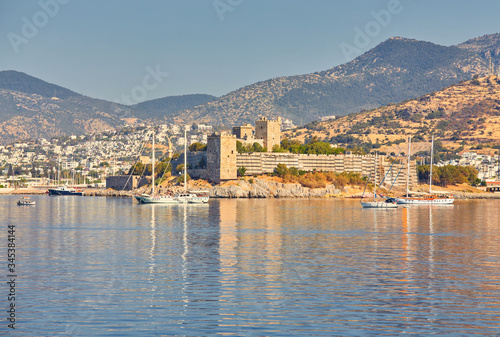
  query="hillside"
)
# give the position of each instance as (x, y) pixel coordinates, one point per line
(465, 114)
(31, 108)
(161, 107)
(395, 70)
(16, 81)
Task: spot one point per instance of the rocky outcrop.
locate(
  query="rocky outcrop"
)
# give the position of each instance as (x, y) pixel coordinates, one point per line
(269, 189)
(468, 195)
(106, 193)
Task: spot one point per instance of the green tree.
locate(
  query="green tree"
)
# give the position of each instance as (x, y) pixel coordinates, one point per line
(179, 168)
(281, 170)
(195, 147)
(241, 171)
(137, 169)
(180, 179)
(162, 167)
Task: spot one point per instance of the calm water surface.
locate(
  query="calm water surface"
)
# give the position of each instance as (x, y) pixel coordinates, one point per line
(109, 266)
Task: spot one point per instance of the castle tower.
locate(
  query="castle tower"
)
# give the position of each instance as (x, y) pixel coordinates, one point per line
(269, 131)
(221, 157)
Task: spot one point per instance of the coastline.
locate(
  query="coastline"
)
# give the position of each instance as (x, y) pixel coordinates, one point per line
(259, 188)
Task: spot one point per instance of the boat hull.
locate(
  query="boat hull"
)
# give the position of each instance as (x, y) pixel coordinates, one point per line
(192, 198)
(156, 200)
(379, 204)
(417, 201)
(198, 200)
(64, 192)
(25, 203)
(146, 199)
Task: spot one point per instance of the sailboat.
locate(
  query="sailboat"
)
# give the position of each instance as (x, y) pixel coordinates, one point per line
(378, 204)
(155, 199)
(185, 197)
(429, 199)
(63, 189)
(198, 197)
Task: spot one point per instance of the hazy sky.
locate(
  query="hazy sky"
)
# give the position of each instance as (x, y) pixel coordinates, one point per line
(151, 49)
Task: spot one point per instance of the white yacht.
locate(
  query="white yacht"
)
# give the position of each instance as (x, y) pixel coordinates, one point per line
(155, 199)
(428, 199)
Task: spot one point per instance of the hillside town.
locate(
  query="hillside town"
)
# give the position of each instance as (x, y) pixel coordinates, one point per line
(87, 160)
(90, 158)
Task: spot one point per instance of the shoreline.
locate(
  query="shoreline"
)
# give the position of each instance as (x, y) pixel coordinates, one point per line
(272, 191)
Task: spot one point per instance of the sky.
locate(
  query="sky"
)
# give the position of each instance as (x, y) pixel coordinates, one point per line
(130, 51)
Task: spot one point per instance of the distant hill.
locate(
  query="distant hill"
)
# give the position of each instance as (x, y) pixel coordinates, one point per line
(161, 107)
(18, 81)
(395, 70)
(466, 114)
(31, 108)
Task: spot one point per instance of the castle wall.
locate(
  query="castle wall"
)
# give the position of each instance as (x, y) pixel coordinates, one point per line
(221, 157)
(261, 163)
(125, 183)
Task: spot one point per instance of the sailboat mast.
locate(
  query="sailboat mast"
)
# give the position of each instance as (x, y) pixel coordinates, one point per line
(408, 173)
(375, 188)
(153, 166)
(432, 158)
(59, 171)
(185, 159)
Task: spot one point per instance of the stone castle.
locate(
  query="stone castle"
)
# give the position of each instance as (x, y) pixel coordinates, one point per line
(223, 160)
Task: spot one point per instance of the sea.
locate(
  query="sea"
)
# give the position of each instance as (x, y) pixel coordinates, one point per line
(104, 266)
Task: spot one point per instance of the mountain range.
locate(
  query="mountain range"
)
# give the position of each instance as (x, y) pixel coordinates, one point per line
(395, 70)
(31, 108)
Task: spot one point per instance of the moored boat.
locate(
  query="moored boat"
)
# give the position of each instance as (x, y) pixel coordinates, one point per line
(156, 199)
(194, 197)
(377, 204)
(25, 201)
(428, 199)
(64, 190)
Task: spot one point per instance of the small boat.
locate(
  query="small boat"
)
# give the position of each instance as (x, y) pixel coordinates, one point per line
(25, 201)
(64, 190)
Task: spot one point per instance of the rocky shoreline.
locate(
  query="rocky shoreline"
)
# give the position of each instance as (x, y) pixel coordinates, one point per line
(257, 188)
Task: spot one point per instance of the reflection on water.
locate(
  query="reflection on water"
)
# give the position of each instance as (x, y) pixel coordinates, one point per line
(90, 266)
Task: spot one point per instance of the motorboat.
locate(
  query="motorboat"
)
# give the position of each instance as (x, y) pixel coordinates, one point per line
(65, 190)
(25, 201)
